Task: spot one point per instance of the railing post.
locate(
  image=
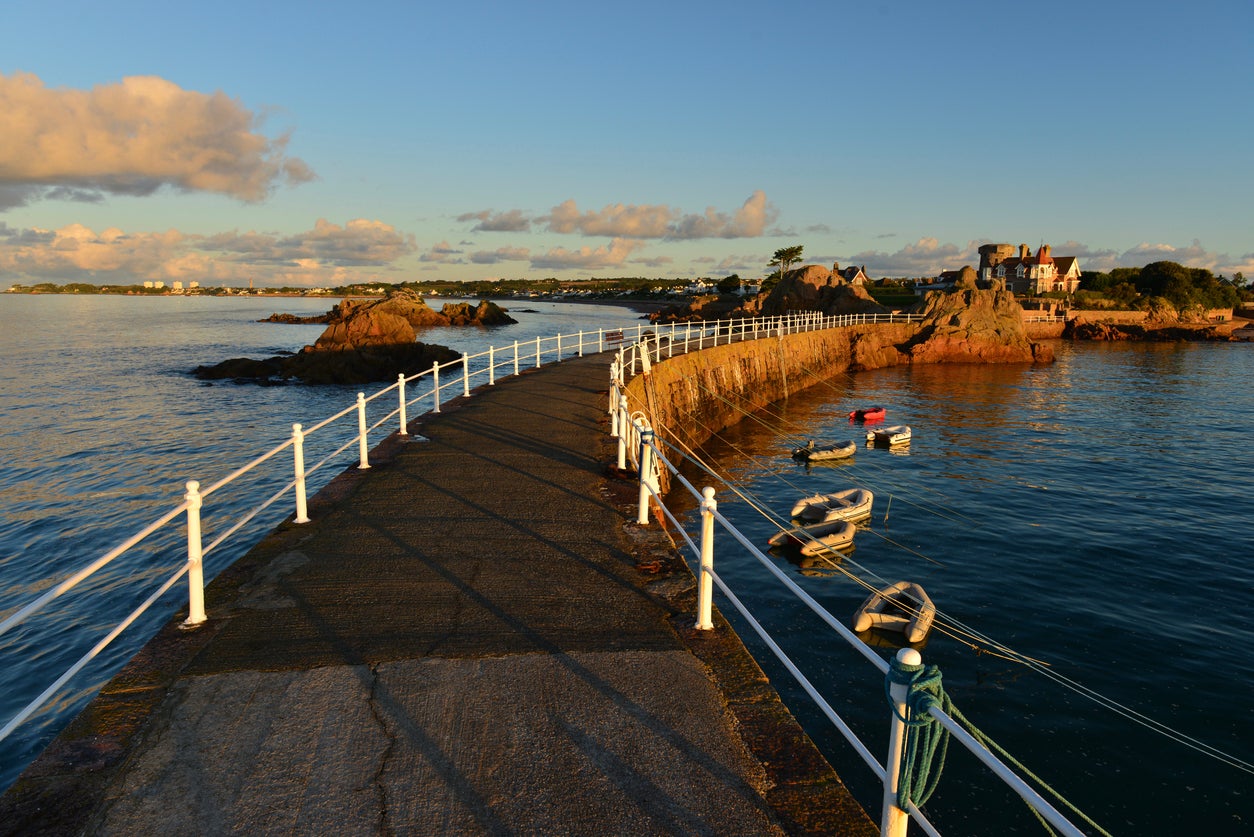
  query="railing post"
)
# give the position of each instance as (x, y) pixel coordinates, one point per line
(559, 347)
(364, 454)
(435, 387)
(600, 340)
(705, 578)
(646, 465)
(893, 820)
(491, 366)
(515, 357)
(298, 461)
(537, 353)
(622, 433)
(195, 555)
(465, 373)
(581, 342)
(400, 388)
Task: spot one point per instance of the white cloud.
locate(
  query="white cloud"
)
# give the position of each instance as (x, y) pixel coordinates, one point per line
(660, 221)
(321, 256)
(510, 221)
(587, 258)
(442, 253)
(501, 254)
(132, 138)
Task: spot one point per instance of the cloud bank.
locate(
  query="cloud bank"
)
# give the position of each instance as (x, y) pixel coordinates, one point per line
(132, 138)
(636, 222)
(328, 254)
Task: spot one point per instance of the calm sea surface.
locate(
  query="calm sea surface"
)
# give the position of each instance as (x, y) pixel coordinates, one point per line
(1092, 514)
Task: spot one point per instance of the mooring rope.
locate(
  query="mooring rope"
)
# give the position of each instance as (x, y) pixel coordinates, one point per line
(954, 628)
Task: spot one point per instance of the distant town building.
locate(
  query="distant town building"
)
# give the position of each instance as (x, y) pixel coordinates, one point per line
(176, 286)
(1029, 274)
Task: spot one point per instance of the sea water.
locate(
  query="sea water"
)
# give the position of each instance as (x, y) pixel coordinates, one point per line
(1091, 514)
(103, 425)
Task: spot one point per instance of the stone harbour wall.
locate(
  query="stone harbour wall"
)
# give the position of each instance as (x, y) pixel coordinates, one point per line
(690, 397)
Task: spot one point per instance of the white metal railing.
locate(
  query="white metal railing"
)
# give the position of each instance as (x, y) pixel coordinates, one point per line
(352, 426)
(637, 443)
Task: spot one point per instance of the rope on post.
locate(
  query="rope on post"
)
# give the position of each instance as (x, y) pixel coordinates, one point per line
(924, 734)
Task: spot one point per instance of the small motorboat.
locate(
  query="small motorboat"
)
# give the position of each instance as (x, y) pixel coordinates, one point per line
(852, 504)
(895, 435)
(811, 452)
(901, 607)
(868, 414)
(817, 539)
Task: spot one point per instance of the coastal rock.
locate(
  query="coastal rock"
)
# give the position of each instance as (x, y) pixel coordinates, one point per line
(972, 325)
(362, 328)
(486, 313)
(368, 322)
(346, 366)
(815, 288)
(706, 307)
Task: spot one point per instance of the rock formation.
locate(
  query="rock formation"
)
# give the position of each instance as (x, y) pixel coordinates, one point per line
(815, 288)
(365, 341)
(404, 303)
(810, 288)
(968, 324)
(367, 364)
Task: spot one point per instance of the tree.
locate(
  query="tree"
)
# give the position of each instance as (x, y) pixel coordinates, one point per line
(784, 257)
(729, 284)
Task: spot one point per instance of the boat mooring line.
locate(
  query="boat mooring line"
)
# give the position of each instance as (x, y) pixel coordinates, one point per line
(955, 629)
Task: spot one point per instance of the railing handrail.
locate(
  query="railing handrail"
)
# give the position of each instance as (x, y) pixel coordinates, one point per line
(537, 348)
(650, 455)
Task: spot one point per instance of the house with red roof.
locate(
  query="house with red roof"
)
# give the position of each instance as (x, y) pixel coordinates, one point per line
(1029, 274)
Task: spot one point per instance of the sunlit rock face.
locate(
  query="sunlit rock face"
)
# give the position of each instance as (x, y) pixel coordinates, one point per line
(815, 288)
(973, 325)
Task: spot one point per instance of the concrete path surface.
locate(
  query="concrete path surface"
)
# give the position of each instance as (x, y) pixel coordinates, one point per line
(471, 637)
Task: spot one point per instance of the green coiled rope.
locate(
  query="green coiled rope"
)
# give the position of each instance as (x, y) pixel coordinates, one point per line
(925, 737)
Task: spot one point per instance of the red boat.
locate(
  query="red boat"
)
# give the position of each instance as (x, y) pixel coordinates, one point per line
(868, 414)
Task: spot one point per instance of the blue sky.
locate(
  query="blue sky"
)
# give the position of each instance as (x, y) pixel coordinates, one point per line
(315, 143)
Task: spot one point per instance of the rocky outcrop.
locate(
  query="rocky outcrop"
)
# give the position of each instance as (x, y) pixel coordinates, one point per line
(815, 288)
(708, 307)
(968, 324)
(366, 340)
(369, 320)
(347, 366)
(810, 288)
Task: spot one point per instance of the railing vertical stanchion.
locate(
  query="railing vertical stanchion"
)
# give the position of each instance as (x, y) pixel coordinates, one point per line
(298, 466)
(491, 366)
(622, 433)
(893, 820)
(465, 373)
(400, 389)
(195, 556)
(537, 353)
(600, 340)
(559, 347)
(515, 357)
(581, 342)
(705, 577)
(435, 387)
(364, 453)
(646, 465)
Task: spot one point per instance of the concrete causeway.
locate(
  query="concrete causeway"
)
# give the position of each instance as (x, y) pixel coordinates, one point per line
(471, 637)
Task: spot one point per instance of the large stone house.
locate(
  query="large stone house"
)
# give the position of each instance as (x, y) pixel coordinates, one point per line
(1028, 274)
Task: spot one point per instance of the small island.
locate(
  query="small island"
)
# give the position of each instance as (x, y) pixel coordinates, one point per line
(366, 340)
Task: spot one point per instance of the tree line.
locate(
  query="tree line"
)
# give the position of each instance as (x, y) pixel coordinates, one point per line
(1184, 287)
